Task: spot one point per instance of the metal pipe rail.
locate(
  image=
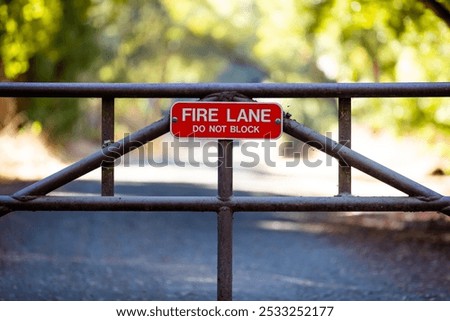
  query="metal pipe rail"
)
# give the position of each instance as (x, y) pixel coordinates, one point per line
(235, 203)
(33, 197)
(198, 90)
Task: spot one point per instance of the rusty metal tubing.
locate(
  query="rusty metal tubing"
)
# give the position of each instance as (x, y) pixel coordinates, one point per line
(345, 136)
(225, 221)
(197, 90)
(225, 254)
(356, 160)
(337, 204)
(225, 213)
(107, 188)
(95, 160)
(225, 169)
(235, 203)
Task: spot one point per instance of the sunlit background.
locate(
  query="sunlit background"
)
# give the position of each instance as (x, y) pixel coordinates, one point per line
(222, 41)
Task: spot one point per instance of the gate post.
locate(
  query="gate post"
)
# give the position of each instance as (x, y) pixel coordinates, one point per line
(225, 213)
(225, 222)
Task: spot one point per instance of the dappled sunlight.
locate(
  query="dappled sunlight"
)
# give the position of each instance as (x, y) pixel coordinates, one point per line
(25, 156)
(310, 283)
(291, 226)
(203, 279)
(425, 226)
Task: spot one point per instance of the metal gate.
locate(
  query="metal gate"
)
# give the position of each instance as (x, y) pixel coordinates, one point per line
(33, 197)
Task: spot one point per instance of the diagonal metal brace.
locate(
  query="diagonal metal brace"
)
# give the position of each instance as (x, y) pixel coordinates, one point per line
(358, 161)
(107, 154)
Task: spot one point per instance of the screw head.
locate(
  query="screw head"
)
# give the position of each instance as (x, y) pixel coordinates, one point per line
(174, 119)
(278, 121)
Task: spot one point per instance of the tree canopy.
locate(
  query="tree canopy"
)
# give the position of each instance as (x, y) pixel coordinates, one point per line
(236, 40)
(26, 28)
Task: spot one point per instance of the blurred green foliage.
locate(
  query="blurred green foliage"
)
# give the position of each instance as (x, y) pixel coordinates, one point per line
(26, 28)
(54, 42)
(236, 40)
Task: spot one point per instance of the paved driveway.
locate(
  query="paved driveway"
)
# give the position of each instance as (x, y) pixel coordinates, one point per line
(172, 256)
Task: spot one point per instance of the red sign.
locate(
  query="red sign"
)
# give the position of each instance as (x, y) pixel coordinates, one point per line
(226, 120)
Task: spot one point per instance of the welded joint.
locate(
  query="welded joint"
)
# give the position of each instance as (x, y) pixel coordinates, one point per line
(225, 209)
(107, 166)
(428, 198)
(24, 198)
(225, 201)
(344, 194)
(107, 143)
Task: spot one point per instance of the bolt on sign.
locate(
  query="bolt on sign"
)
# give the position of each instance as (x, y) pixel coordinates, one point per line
(226, 120)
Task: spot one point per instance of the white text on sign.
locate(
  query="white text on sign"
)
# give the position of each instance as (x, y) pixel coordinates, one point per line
(211, 115)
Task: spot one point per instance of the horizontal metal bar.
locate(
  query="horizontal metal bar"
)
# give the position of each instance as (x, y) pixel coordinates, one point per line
(235, 203)
(198, 90)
